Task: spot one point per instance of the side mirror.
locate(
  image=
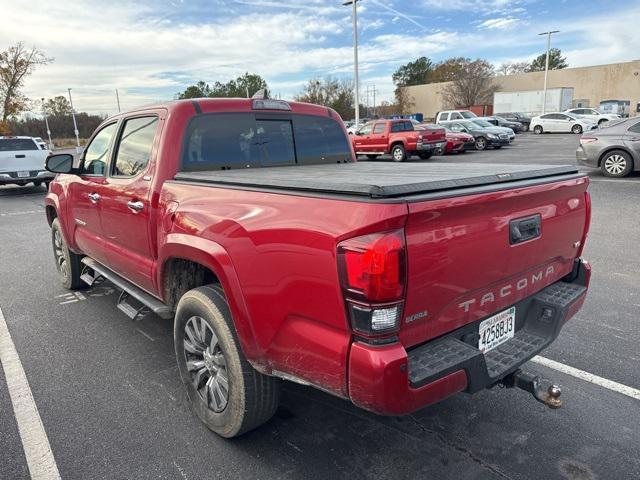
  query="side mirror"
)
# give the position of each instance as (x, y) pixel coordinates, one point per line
(464, 130)
(359, 133)
(61, 163)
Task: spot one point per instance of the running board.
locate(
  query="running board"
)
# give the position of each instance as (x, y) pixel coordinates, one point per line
(129, 291)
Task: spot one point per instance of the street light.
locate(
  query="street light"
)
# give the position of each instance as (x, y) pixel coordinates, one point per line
(546, 69)
(46, 122)
(75, 125)
(355, 55)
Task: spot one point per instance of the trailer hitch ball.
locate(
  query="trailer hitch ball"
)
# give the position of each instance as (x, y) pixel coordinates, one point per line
(550, 395)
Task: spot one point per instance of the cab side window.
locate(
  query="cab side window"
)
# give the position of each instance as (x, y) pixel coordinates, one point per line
(366, 130)
(96, 154)
(134, 146)
(379, 128)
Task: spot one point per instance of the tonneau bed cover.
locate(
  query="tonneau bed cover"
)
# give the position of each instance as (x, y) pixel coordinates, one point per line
(376, 180)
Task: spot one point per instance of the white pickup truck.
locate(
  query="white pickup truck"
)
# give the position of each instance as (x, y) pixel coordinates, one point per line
(22, 162)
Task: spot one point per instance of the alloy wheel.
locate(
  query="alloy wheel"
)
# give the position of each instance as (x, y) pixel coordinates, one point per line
(615, 164)
(398, 154)
(206, 364)
(58, 251)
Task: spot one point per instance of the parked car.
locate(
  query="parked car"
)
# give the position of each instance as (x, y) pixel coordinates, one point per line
(278, 256)
(484, 136)
(399, 138)
(457, 142)
(22, 161)
(483, 123)
(517, 117)
(561, 122)
(592, 114)
(615, 149)
(450, 115)
(497, 121)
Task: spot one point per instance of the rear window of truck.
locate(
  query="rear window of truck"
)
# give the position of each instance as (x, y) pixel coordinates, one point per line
(223, 141)
(17, 144)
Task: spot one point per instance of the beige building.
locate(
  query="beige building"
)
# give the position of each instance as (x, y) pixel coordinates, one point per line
(591, 85)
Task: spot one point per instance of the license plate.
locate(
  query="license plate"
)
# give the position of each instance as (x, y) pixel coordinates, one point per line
(496, 330)
(24, 174)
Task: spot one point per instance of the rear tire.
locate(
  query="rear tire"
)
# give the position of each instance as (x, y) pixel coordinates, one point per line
(616, 163)
(227, 394)
(398, 153)
(481, 143)
(525, 127)
(604, 120)
(538, 129)
(68, 263)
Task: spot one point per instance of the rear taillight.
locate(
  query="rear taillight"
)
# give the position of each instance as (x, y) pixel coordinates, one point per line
(585, 140)
(373, 276)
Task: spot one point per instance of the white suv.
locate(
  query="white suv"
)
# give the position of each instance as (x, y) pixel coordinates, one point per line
(451, 115)
(592, 114)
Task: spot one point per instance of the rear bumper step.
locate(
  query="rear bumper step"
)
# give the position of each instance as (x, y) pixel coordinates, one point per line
(152, 303)
(538, 322)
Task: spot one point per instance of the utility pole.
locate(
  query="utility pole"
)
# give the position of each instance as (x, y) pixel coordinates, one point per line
(75, 125)
(118, 99)
(546, 69)
(46, 122)
(374, 91)
(354, 3)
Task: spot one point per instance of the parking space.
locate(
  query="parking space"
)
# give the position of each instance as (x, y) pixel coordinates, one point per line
(111, 402)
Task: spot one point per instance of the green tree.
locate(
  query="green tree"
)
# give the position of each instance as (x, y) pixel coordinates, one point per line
(57, 106)
(473, 84)
(16, 64)
(249, 83)
(199, 90)
(556, 61)
(414, 73)
(331, 92)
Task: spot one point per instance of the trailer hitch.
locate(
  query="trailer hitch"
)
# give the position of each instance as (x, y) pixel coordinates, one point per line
(547, 393)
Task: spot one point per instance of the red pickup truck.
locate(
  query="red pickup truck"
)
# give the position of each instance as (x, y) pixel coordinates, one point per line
(280, 257)
(398, 138)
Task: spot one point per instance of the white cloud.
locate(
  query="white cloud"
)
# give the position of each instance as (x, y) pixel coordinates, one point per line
(500, 23)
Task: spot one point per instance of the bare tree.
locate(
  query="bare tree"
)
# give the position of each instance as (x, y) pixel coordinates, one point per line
(17, 63)
(404, 101)
(474, 85)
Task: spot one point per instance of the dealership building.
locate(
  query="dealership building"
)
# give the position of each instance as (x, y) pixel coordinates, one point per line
(590, 86)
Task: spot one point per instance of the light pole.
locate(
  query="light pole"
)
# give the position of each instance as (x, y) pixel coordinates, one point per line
(546, 69)
(75, 125)
(46, 122)
(355, 55)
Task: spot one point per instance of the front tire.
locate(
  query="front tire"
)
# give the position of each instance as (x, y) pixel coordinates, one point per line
(537, 129)
(576, 129)
(68, 263)
(398, 153)
(617, 164)
(227, 394)
(481, 143)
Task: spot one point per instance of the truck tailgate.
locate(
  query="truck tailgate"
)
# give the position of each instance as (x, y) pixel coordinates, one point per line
(463, 264)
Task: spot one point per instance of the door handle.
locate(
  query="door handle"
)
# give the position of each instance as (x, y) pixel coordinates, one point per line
(94, 197)
(135, 207)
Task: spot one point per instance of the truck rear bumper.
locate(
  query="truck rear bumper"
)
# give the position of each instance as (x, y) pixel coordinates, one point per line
(388, 380)
(7, 178)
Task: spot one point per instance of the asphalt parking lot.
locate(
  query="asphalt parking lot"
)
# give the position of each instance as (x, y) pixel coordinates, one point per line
(112, 405)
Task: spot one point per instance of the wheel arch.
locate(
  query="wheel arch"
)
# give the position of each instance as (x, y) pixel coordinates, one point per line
(622, 148)
(186, 262)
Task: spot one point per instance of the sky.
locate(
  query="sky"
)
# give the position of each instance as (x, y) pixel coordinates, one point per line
(152, 49)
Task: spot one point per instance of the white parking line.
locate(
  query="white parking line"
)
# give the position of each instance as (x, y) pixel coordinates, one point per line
(589, 377)
(34, 439)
